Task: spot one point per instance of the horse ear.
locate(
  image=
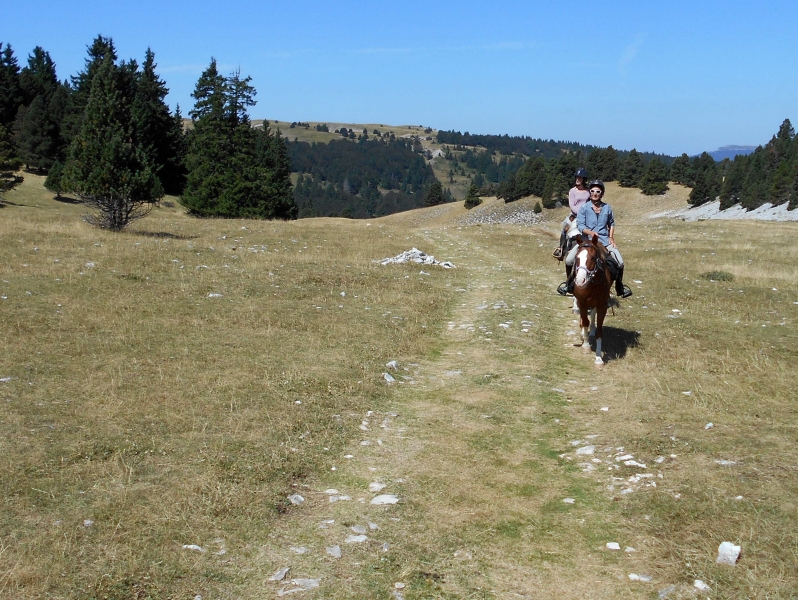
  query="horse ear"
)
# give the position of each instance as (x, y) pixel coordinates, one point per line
(594, 239)
(580, 238)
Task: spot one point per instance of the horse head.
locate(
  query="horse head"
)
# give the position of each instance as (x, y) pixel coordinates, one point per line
(590, 262)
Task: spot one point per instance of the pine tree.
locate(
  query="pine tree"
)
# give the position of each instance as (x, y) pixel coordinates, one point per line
(100, 48)
(632, 170)
(9, 163)
(435, 195)
(655, 178)
(38, 78)
(106, 168)
(10, 92)
(54, 181)
(154, 127)
(233, 169)
(734, 181)
(472, 199)
(681, 170)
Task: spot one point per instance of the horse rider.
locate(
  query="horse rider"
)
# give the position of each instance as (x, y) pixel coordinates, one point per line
(577, 196)
(596, 218)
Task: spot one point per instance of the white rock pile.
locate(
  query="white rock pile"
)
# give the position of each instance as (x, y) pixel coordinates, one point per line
(414, 255)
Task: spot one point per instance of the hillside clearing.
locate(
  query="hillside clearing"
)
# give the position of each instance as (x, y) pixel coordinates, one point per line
(174, 384)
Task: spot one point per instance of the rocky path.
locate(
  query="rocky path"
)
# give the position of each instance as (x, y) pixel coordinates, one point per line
(493, 471)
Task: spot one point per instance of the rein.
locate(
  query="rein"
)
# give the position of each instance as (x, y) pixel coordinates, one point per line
(591, 273)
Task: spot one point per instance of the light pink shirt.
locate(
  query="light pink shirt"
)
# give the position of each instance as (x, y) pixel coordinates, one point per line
(576, 198)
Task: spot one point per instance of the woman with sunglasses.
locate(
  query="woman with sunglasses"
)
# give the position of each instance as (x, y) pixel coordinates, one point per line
(596, 218)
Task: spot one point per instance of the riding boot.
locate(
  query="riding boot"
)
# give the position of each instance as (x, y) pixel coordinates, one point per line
(570, 287)
(619, 288)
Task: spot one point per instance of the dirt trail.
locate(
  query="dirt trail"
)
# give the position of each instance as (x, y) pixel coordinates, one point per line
(471, 445)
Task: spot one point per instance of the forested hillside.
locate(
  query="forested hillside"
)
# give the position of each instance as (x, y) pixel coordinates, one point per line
(370, 177)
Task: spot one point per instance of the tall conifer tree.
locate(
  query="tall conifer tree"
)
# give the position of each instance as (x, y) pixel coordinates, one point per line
(10, 92)
(106, 168)
(632, 169)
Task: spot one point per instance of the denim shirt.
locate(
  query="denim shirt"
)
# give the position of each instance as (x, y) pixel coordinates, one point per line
(600, 223)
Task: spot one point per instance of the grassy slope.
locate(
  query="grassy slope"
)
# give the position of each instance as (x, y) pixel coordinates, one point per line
(169, 418)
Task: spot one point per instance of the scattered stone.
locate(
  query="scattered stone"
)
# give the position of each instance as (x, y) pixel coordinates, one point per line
(728, 554)
(636, 577)
(665, 592)
(628, 549)
(613, 546)
(687, 393)
(304, 586)
(194, 547)
(299, 549)
(569, 500)
(709, 426)
(376, 487)
(634, 463)
(392, 365)
(355, 539)
(700, 585)
(89, 523)
(373, 526)
(399, 585)
(388, 377)
(586, 450)
(384, 499)
(558, 390)
(359, 529)
(725, 463)
(605, 408)
(280, 575)
(334, 551)
(296, 499)
(340, 498)
(4, 379)
(331, 491)
(215, 295)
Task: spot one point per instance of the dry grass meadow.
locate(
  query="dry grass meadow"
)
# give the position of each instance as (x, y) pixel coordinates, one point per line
(172, 385)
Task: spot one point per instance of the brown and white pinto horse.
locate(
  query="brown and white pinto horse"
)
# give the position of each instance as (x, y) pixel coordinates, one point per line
(592, 282)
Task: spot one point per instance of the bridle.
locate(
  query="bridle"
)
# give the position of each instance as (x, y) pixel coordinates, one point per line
(598, 268)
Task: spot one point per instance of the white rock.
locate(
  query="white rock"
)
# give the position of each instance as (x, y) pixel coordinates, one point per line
(624, 457)
(388, 377)
(280, 575)
(586, 450)
(634, 463)
(355, 539)
(568, 500)
(373, 526)
(709, 426)
(331, 491)
(628, 549)
(334, 551)
(304, 586)
(89, 523)
(340, 498)
(299, 549)
(384, 499)
(687, 393)
(392, 365)
(399, 585)
(215, 295)
(375, 487)
(360, 529)
(194, 547)
(4, 379)
(728, 554)
(296, 499)
(613, 546)
(700, 585)
(605, 408)
(636, 577)
(725, 463)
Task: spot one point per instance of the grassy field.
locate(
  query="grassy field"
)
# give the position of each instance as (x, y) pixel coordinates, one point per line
(172, 385)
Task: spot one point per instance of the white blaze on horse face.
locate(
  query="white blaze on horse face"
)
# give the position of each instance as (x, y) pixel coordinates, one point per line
(581, 267)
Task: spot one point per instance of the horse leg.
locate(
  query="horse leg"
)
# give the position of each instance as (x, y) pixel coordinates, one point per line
(592, 322)
(585, 322)
(601, 312)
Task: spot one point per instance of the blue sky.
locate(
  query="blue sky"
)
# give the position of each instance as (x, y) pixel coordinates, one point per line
(668, 77)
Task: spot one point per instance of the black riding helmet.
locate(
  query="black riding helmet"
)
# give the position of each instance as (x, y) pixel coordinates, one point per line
(581, 172)
(596, 183)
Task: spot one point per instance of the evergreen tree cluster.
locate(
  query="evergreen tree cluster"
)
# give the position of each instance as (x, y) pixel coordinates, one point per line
(371, 177)
(551, 179)
(769, 174)
(234, 169)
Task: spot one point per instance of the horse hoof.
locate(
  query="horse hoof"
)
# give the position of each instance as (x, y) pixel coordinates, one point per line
(586, 349)
(599, 362)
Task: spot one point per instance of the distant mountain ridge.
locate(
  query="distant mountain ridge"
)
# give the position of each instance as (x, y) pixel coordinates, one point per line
(730, 152)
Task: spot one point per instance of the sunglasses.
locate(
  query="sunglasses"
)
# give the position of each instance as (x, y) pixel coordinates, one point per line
(596, 192)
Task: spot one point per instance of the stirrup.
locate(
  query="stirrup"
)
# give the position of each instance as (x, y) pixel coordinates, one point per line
(562, 289)
(627, 292)
(557, 253)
